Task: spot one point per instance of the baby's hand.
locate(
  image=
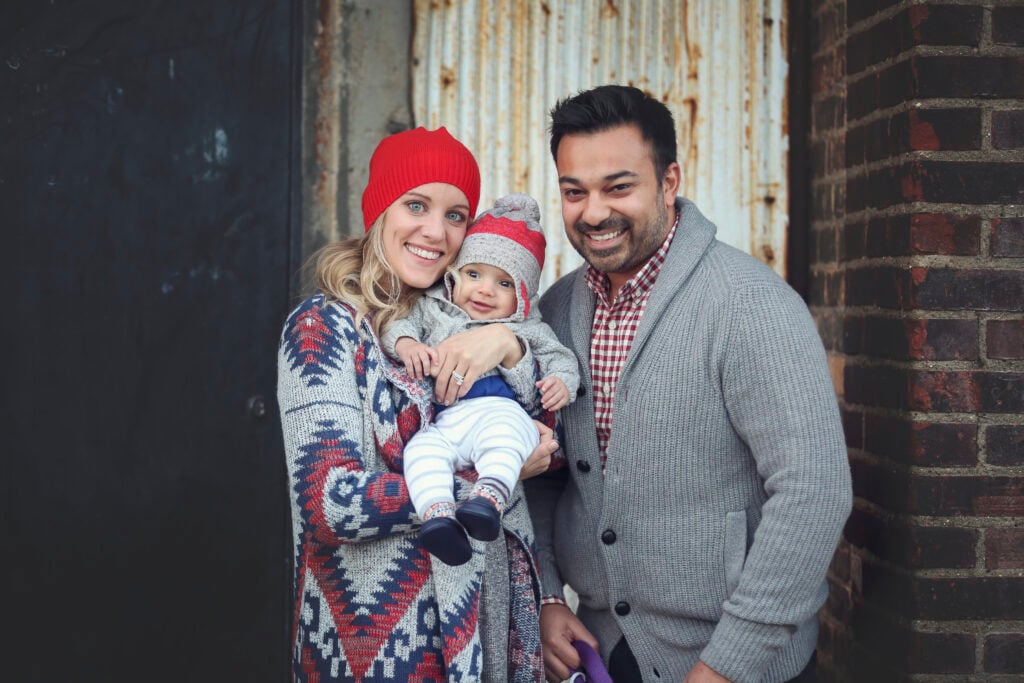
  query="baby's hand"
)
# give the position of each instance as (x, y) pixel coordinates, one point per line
(554, 395)
(417, 356)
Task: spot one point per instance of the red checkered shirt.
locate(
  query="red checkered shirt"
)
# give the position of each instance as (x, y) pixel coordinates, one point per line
(611, 338)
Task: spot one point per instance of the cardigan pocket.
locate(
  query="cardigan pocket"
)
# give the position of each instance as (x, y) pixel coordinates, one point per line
(735, 548)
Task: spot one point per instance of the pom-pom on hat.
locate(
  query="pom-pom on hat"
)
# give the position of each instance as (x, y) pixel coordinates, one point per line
(509, 236)
(416, 157)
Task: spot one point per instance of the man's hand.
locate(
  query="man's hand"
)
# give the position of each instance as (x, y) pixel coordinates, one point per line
(702, 673)
(559, 628)
(540, 459)
(554, 395)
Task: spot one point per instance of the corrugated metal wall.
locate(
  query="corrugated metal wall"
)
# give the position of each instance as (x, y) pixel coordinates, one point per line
(490, 71)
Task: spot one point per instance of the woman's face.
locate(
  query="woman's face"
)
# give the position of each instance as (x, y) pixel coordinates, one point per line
(423, 230)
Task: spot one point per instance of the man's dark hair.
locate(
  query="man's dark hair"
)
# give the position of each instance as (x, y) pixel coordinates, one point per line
(610, 106)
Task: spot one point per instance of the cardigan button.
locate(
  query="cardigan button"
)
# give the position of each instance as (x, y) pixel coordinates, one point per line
(608, 537)
(581, 391)
(583, 466)
(622, 608)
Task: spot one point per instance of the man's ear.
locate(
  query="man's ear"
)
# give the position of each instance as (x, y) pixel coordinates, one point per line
(671, 182)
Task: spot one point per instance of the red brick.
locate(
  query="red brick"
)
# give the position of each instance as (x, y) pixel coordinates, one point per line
(824, 245)
(932, 24)
(922, 180)
(944, 233)
(981, 496)
(920, 339)
(943, 129)
(909, 235)
(1007, 237)
(826, 28)
(943, 599)
(1005, 339)
(1008, 25)
(967, 77)
(882, 286)
(919, 25)
(922, 444)
(1001, 392)
(945, 392)
(1004, 445)
(829, 114)
(901, 491)
(875, 386)
(966, 182)
(1004, 549)
(824, 289)
(912, 546)
(1008, 129)
(910, 651)
(969, 598)
(1004, 653)
(968, 289)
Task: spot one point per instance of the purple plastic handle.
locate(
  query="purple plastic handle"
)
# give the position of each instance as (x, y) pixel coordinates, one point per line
(590, 664)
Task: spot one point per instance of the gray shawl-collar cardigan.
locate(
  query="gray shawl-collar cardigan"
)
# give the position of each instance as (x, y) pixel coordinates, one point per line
(727, 481)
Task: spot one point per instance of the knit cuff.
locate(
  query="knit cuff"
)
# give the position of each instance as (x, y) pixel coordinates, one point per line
(742, 650)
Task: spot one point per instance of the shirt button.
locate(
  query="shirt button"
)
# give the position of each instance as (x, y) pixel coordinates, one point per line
(608, 537)
(583, 466)
(622, 608)
(612, 325)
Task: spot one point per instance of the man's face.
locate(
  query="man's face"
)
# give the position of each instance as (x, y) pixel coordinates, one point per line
(615, 211)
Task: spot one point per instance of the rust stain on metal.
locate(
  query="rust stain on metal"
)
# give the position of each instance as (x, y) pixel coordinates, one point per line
(447, 77)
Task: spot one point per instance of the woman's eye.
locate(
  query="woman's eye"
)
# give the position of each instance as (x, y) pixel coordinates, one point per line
(416, 206)
(456, 217)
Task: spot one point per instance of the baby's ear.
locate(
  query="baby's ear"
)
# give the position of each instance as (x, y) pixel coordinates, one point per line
(456, 277)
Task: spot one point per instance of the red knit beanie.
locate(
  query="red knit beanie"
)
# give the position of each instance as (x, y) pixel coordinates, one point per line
(416, 157)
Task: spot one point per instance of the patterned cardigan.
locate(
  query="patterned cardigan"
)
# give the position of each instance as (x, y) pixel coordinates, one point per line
(370, 603)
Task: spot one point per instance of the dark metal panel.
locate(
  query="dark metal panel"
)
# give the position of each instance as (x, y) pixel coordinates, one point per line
(145, 183)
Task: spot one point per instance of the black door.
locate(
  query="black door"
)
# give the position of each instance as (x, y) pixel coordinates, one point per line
(146, 160)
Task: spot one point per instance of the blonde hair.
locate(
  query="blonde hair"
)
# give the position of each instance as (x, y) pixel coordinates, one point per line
(357, 272)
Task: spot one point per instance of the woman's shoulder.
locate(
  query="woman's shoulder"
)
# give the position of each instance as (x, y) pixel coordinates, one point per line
(319, 324)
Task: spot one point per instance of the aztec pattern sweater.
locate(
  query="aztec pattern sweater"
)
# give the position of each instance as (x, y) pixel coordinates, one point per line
(727, 482)
(370, 603)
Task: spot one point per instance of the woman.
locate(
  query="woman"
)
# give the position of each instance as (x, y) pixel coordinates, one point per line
(371, 603)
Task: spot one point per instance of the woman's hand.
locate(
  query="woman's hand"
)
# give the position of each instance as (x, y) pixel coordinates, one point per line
(463, 357)
(540, 460)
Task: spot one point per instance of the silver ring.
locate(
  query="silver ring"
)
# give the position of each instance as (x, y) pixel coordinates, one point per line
(459, 379)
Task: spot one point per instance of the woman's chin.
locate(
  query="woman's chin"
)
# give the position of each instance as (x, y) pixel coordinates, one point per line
(420, 278)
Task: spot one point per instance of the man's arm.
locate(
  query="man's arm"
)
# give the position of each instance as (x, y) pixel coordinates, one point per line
(780, 398)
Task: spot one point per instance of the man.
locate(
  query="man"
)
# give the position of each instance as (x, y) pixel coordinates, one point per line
(708, 482)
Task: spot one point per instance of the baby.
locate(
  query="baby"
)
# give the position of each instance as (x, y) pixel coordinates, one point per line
(494, 278)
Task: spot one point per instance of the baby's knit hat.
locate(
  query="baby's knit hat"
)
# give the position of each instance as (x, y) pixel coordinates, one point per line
(510, 237)
(416, 157)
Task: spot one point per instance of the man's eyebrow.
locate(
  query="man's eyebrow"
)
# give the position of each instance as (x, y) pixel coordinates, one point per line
(607, 179)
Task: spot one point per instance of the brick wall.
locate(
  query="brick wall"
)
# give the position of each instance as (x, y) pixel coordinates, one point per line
(917, 284)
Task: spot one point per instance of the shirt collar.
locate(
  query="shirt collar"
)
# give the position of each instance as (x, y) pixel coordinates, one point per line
(640, 284)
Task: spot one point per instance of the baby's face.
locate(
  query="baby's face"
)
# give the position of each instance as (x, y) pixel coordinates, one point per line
(485, 292)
